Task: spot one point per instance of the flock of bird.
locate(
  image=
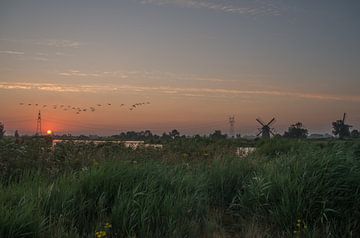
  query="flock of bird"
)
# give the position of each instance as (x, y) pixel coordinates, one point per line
(78, 110)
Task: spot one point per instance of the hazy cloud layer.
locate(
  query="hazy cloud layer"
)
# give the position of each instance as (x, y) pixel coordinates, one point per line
(139, 74)
(186, 91)
(11, 52)
(242, 7)
(77, 73)
(58, 43)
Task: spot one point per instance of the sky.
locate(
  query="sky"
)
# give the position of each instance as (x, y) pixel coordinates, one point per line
(196, 62)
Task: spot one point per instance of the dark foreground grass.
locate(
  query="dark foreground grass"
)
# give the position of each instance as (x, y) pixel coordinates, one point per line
(286, 189)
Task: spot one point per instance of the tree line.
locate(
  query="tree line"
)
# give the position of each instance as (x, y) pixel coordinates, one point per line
(297, 130)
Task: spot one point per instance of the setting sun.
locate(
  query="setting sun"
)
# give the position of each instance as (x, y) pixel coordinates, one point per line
(49, 132)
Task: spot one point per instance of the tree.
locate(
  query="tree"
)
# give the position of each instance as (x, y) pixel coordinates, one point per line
(174, 134)
(355, 134)
(148, 134)
(165, 136)
(217, 135)
(2, 131)
(341, 129)
(296, 131)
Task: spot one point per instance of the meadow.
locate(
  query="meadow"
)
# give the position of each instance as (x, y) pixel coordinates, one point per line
(191, 188)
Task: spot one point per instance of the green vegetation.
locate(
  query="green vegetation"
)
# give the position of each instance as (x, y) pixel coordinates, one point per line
(191, 188)
(296, 131)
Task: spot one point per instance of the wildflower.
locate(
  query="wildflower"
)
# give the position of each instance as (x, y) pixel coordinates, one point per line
(100, 234)
(108, 225)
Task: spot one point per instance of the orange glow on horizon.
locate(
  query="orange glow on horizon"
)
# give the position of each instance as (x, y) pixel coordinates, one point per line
(49, 132)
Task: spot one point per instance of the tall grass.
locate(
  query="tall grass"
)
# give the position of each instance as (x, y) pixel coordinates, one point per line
(139, 199)
(319, 186)
(285, 187)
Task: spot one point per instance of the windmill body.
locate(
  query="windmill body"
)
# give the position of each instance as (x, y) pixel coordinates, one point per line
(341, 129)
(265, 131)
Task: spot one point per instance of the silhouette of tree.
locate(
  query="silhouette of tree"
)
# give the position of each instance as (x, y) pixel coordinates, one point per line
(83, 137)
(341, 129)
(355, 134)
(296, 131)
(217, 135)
(16, 134)
(148, 134)
(174, 134)
(2, 131)
(165, 136)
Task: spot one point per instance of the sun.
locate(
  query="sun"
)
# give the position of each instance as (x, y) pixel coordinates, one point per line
(49, 132)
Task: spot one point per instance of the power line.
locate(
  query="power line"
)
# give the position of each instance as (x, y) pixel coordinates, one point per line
(231, 129)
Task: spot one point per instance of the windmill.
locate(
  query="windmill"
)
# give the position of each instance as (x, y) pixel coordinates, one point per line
(340, 128)
(265, 131)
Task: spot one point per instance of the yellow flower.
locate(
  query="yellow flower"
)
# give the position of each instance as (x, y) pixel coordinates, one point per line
(100, 234)
(108, 225)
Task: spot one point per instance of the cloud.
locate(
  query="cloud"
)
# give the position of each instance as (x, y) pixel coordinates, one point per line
(166, 90)
(77, 73)
(11, 52)
(244, 7)
(63, 54)
(22, 56)
(60, 43)
(143, 75)
(57, 43)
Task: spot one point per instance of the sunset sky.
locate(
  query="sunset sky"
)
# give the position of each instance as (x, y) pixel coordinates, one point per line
(197, 62)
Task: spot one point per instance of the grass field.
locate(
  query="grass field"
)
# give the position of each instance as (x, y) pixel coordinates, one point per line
(191, 188)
